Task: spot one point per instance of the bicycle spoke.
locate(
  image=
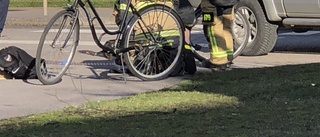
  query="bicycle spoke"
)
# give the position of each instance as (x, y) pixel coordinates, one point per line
(161, 28)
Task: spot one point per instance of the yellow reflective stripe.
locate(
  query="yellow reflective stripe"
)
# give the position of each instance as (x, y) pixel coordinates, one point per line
(164, 33)
(168, 33)
(219, 54)
(123, 6)
(139, 5)
(170, 41)
(213, 42)
(186, 46)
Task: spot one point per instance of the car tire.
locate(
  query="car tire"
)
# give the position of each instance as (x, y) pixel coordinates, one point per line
(263, 34)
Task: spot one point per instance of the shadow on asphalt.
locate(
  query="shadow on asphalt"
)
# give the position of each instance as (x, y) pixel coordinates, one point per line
(104, 69)
(307, 42)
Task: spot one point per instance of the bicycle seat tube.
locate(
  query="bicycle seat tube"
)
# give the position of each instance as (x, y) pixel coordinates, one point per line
(91, 25)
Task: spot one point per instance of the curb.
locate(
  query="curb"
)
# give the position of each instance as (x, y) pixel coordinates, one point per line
(25, 22)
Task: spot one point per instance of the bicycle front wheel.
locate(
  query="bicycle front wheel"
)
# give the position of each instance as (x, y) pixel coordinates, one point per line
(157, 37)
(57, 47)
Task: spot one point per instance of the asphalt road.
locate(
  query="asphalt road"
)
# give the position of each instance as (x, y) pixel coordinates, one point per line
(88, 83)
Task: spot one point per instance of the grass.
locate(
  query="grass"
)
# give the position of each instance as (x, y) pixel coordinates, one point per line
(58, 3)
(280, 101)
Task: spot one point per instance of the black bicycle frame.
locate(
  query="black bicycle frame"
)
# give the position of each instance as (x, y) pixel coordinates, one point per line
(119, 32)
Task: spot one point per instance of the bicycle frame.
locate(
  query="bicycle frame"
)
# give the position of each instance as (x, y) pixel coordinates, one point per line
(119, 32)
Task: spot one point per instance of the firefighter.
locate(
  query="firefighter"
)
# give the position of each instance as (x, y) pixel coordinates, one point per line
(185, 9)
(217, 21)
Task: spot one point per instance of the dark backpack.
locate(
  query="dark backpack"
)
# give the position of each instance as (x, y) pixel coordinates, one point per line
(18, 63)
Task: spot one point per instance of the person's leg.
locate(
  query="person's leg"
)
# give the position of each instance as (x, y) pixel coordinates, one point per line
(228, 17)
(186, 12)
(4, 5)
(214, 31)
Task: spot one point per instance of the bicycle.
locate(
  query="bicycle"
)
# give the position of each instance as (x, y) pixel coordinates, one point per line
(149, 43)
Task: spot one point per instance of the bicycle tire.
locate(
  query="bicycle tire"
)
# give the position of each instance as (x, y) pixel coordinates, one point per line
(158, 43)
(240, 42)
(50, 66)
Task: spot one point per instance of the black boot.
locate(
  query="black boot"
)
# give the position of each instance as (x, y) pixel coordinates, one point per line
(216, 67)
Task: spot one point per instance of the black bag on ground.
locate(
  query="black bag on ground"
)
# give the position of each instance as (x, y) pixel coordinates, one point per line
(17, 63)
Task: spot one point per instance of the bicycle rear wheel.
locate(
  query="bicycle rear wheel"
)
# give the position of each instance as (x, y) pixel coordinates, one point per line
(240, 34)
(57, 47)
(158, 39)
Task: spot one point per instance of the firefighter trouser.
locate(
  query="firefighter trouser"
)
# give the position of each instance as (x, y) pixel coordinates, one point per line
(217, 22)
(185, 10)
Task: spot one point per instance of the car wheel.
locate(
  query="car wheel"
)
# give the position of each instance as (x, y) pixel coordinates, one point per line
(263, 35)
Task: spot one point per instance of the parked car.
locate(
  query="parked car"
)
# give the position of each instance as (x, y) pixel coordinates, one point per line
(266, 16)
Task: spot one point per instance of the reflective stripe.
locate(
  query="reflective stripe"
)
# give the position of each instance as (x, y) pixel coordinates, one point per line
(163, 34)
(186, 46)
(213, 42)
(214, 46)
(123, 6)
(139, 5)
(168, 33)
(219, 54)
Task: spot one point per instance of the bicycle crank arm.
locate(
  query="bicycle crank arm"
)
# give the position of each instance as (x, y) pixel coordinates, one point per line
(123, 50)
